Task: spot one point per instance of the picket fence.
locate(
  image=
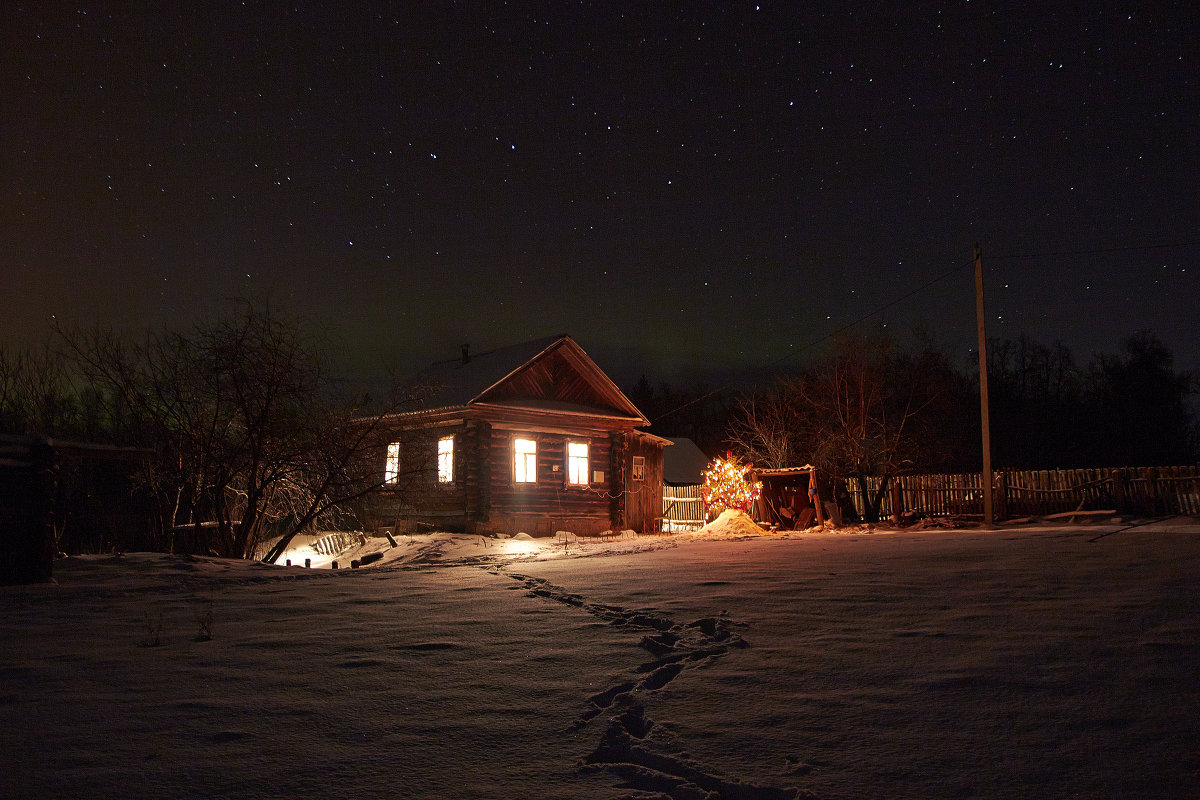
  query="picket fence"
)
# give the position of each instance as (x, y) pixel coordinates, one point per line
(683, 508)
(1129, 490)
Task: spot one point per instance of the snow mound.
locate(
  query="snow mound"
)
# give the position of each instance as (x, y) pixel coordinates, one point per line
(731, 523)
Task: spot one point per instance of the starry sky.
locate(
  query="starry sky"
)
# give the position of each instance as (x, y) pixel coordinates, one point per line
(691, 190)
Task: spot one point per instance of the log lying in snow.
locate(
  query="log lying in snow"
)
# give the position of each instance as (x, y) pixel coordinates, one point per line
(1070, 515)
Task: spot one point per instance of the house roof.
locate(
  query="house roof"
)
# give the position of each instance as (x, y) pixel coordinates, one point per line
(548, 374)
(684, 463)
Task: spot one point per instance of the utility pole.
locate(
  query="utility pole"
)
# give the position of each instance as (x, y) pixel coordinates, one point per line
(989, 517)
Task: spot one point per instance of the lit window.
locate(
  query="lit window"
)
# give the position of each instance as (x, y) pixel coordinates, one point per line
(577, 463)
(391, 467)
(639, 468)
(446, 459)
(524, 461)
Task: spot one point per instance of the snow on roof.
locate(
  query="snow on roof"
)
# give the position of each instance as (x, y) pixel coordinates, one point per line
(684, 463)
(784, 471)
(456, 382)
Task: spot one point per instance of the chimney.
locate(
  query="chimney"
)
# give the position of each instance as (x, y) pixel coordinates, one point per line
(466, 353)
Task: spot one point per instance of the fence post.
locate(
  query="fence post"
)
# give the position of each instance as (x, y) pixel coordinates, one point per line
(1002, 497)
(897, 497)
(1152, 498)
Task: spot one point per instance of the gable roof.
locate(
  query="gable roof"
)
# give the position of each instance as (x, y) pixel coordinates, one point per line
(684, 463)
(549, 374)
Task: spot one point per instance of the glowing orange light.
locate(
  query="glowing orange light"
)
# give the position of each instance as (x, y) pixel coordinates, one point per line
(727, 487)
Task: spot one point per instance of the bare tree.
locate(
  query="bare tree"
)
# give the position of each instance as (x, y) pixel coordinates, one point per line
(865, 411)
(766, 427)
(37, 394)
(252, 441)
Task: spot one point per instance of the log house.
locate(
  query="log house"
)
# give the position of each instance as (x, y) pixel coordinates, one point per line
(531, 438)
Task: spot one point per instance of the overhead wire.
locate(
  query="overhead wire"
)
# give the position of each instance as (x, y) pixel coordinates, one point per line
(808, 346)
(896, 301)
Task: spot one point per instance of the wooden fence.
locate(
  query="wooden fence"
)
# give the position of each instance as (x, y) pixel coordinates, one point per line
(1130, 490)
(683, 508)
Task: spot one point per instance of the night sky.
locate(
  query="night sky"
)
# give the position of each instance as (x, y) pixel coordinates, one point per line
(690, 190)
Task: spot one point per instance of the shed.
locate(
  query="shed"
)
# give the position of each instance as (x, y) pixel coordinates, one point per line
(534, 437)
(794, 498)
(73, 496)
(683, 479)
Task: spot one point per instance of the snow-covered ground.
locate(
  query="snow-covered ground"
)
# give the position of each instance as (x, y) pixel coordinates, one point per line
(1029, 662)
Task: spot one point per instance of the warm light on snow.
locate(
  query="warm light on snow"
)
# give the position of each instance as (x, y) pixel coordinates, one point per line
(1025, 662)
(731, 523)
(519, 547)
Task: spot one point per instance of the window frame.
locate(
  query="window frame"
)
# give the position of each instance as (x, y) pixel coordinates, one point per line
(572, 465)
(391, 464)
(637, 470)
(445, 460)
(524, 462)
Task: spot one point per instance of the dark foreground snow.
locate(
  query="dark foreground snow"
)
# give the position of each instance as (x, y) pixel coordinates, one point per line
(1031, 662)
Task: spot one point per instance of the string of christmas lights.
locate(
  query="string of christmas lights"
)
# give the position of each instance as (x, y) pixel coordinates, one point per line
(726, 486)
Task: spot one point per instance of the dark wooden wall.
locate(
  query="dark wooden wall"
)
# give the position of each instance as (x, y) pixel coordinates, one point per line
(643, 499)
(550, 505)
(485, 499)
(28, 473)
(69, 496)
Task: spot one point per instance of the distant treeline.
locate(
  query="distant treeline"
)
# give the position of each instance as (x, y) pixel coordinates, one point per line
(1131, 408)
(248, 430)
(874, 407)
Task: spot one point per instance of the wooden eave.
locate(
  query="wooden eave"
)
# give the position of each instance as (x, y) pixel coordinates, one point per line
(654, 438)
(560, 421)
(784, 471)
(421, 419)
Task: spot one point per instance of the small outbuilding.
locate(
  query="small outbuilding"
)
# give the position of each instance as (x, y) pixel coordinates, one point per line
(683, 482)
(76, 497)
(794, 498)
(530, 438)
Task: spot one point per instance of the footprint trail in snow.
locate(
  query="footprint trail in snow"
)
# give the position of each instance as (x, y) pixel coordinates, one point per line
(644, 757)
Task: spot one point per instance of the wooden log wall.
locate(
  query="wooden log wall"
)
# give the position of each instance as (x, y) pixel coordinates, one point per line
(1152, 491)
(550, 504)
(643, 498)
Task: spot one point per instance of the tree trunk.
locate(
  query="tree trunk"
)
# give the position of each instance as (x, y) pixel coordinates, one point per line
(871, 500)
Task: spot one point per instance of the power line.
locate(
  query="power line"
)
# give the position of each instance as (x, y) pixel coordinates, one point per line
(1131, 248)
(828, 336)
(896, 301)
(869, 314)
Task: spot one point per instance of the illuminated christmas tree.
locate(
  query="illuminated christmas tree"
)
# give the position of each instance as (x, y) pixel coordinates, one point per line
(726, 486)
